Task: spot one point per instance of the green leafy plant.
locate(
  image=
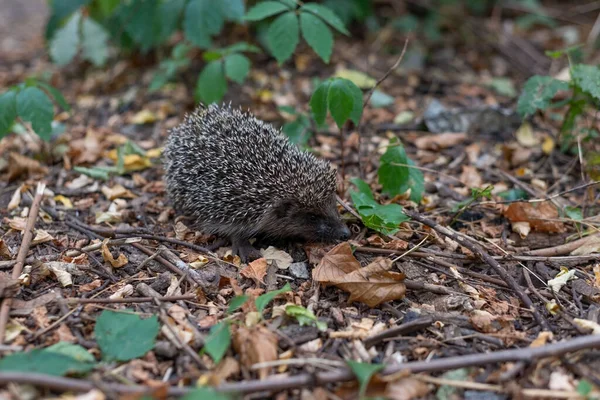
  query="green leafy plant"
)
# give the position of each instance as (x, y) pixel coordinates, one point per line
(363, 373)
(397, 173)
(584, 87)
(289, 20)
(59, 359)
(223, 64)
(124, 337)
(305, 317)
(169, 67)
(219, 339)
(30, 101)
(341, 97)
(476, 195)
(80, 34)
(207, 393)
(381, 218)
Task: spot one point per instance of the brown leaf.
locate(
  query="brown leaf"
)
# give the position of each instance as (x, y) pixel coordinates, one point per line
(108, 257)
(406, 389)
(256, 270)
(440, 141)
(227, 368)
(20, 165)
(255, 345)
(537, 215)
(371, 285)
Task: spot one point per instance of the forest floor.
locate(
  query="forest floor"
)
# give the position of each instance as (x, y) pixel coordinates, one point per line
(498, 298)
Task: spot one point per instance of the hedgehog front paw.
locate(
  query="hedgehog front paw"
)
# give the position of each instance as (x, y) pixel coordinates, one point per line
(243, 249)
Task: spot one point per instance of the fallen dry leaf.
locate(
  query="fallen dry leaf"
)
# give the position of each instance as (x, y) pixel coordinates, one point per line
(256, 270)
(279, 258)
(255, 345)
(406, 389)
(371, 285)
(537, 214)
(20, 165)
(440, 141)
(108, 257)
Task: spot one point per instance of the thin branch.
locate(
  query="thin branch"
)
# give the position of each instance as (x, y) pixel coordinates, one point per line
(22, 255)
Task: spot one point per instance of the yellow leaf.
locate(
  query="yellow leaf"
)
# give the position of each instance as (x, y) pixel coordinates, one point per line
(548, 145)
(143, 117)
(525, 136)
(360, 79)
(154, 153)
(65, 201)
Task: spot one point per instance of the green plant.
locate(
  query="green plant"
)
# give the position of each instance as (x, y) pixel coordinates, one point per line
(223, 64)
(341, 97)
(219, 339)
(30, 101)
(311, 19)
(583, 92)
(87, 26)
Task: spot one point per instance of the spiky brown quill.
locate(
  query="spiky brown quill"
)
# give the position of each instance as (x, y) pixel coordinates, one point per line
(239, 177)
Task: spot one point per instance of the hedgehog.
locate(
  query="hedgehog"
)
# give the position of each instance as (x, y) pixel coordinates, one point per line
(239, 178)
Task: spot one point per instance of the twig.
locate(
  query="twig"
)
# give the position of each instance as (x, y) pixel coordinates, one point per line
(479, 251)
(73, 300)
(384, 77)
(528, 354)
(22, 255)
(563, 248)
(409, 327)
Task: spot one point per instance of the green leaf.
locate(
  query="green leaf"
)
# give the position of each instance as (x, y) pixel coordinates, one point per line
(305, 317)
(318, 102)
(124, 337)
(382, 218)
(503, 86)
(47, 362)
(167, 20)
(65, 43)
(218, 341)
(392, 175)
(357, 106)
(56, 94)
(142, 21)
(283, 36)
(537, 93)
(327, 15)
(240, 47)
(94, 42)
(203, 393)
(96, 173)
(587, 77)
(298, 131)
(291, 4)
(265, 9)
(232, 10)
(202, 19)
(317, 35)
(211, 86)
(236, 303)
(574, 213)
(33, 105)
(262, 300)
(584, 387)
(416, 183)
(8, 110)
(340, 101)
(514, 194)
(237, 67)
(363, 373)
(74, 351)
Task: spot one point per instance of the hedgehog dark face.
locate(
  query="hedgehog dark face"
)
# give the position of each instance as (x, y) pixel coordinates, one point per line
(314, 224)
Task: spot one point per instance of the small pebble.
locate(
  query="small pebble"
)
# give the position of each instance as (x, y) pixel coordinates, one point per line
(299, 270)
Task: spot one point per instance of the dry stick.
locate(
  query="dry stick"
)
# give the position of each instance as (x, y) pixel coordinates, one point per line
(74, 300)
(477, 249)
(277, 383)
(409, 327)
(18, 268)
(563, 248)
